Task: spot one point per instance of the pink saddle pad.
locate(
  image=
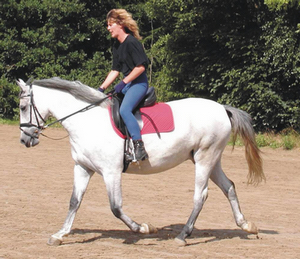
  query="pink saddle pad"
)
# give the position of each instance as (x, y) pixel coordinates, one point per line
(161, 115)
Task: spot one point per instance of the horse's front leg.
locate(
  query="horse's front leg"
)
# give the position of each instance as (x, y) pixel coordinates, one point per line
(81, 180)
(113, 186)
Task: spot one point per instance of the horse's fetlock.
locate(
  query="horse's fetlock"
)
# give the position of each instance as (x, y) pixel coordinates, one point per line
(54, 241)
(241, 222)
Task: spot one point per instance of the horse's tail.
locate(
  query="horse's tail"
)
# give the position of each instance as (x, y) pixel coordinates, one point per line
(241, 124)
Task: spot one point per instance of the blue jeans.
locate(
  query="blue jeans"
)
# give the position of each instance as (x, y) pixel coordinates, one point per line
(133, 92)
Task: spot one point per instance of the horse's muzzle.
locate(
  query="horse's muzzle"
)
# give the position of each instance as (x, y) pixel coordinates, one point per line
(30, 142)
(30, 137)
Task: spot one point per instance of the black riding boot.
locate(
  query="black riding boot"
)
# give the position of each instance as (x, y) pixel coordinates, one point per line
(139, 150)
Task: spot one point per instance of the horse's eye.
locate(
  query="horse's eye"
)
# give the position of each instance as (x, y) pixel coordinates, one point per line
(22, 107)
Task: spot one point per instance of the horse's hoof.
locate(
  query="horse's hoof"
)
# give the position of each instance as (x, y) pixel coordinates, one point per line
(54, 241)
(180, 242)
(148, 229)
(250, 228)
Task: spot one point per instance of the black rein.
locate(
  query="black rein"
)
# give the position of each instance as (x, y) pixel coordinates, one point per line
(34, 110)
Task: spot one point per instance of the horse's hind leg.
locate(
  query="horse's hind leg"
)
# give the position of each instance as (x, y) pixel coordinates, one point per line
(200, 196)
(228, 188)
(81, 180)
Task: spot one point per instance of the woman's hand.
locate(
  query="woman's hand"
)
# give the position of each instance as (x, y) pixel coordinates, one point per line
(119, 87)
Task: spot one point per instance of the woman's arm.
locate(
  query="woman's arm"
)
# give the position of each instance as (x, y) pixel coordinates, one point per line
(112, 75)
(134, 74)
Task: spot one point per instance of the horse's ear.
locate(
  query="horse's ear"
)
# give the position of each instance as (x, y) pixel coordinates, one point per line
(22, 85)
(29, 81)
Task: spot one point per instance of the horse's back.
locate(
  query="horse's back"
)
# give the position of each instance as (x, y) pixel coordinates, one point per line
(199, 123)
(200, 114)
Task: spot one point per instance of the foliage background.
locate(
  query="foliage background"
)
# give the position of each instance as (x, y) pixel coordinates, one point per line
(242, 53)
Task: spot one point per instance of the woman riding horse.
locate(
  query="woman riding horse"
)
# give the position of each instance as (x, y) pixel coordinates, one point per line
(129, 58)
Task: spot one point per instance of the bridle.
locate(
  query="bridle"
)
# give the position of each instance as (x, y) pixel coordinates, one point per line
(34, 113)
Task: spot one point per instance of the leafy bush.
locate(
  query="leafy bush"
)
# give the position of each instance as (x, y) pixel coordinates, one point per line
(8, 99)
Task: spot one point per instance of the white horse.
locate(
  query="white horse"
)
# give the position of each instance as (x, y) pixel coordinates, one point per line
(202, 130)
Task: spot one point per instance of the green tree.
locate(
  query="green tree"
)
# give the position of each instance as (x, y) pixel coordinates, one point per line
(243, 53)
(195, 42)
(239, 53)
(53, 38)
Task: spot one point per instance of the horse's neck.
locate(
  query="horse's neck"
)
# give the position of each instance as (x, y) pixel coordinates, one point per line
(60, 104)
(54, 102)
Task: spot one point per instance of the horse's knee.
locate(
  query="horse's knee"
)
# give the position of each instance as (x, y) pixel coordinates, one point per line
(228, 188)
(205, 194)
(199, 199)
(116, 211)
(202, 197)
(231, 193)
(73, 202)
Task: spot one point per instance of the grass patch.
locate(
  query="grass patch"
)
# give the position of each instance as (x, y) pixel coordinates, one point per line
(287, 139)
(8, 122)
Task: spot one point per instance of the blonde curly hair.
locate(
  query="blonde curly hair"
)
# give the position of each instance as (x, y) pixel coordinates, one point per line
(123, 18)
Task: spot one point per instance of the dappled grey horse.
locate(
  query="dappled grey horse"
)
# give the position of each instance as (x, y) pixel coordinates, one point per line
(202, 130)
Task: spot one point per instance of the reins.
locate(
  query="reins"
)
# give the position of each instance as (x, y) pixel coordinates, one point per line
(90, 106)
(70, 115)
(54, 138)
(34, 110)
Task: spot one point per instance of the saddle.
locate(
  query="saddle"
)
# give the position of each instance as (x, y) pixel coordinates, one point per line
(153, 117)
(149, 100)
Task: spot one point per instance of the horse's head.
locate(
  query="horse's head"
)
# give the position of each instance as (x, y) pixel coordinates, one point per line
(31, 121)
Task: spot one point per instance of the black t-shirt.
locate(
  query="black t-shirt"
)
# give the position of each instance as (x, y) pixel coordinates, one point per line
(128, 54)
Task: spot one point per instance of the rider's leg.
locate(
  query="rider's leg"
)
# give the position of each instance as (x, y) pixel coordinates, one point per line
(132, 98)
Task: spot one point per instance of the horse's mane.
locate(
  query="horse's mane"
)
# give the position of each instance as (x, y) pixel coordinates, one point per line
(76, 88)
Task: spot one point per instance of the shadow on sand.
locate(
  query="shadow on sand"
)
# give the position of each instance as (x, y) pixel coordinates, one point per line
(166, 233)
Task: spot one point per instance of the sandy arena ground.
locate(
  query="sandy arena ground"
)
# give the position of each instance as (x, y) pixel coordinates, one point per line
(36, 186)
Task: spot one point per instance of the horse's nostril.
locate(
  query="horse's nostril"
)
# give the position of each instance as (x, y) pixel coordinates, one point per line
(26, 144)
